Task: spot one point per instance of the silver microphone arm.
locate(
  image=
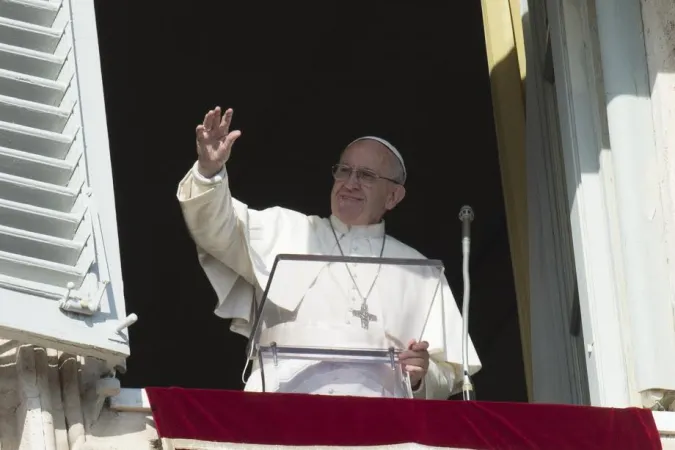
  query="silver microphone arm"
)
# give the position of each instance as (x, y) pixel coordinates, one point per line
(466, 217)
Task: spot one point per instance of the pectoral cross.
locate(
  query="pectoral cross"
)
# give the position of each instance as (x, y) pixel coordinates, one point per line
(364, 315)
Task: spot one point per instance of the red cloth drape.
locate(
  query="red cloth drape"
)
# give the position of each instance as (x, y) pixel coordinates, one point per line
(290, 419)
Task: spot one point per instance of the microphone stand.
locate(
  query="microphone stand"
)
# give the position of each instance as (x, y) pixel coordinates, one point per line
(466, 217)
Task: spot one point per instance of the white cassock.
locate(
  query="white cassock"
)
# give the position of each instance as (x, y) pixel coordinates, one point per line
(237, 247)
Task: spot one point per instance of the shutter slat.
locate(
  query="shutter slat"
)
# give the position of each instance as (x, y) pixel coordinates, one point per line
(40, 271)
(34, 140)
(30, 36)
(49, 248)
(36, 167)
(32, 114)
(39, 290)
(45, 195)
(30, 62)
(39, 220)
(31, 88)
(38, 12)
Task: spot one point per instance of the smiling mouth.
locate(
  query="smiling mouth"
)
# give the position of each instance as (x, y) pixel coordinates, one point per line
(349, 198)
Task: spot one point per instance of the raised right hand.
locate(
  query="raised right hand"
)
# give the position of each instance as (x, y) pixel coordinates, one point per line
(214, 141)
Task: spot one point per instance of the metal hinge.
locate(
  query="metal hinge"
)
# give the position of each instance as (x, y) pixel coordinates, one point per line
(88, 305)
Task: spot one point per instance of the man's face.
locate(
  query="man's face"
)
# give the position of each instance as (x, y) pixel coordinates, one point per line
(360, 195)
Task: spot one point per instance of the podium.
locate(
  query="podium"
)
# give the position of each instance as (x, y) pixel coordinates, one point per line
(336, 325)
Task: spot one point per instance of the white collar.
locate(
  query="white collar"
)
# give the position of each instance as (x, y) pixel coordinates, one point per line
(367, 231)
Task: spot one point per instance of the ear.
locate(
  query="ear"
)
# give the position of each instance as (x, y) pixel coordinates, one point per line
(395, 197)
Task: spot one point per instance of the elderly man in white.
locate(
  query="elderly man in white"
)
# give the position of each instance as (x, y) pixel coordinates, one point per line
(237, 247)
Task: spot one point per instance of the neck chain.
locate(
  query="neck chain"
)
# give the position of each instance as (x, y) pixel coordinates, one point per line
(377, 275)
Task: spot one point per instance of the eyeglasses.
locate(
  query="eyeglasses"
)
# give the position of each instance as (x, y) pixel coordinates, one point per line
(365, 176)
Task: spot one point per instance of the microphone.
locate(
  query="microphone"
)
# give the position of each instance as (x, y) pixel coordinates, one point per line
(466, 217)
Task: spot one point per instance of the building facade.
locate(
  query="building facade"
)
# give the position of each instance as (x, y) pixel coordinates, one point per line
(584, 104)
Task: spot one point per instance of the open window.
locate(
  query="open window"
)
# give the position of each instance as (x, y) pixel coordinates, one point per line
(60, 276)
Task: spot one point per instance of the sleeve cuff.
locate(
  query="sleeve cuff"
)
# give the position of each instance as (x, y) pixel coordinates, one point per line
(420, 391)
(201, 179)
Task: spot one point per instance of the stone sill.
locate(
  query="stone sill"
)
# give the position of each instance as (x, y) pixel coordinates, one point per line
(665, 423)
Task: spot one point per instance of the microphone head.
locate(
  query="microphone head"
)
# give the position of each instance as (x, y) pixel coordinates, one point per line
(466, 213)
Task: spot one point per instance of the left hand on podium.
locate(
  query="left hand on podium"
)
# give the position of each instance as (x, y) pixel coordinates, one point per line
(415, 361)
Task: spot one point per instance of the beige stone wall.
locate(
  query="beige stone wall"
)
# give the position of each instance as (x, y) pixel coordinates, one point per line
(51, 401)
(668, 443)
(659, 32)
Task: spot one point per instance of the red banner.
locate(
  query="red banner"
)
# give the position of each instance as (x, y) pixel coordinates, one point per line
(192, 419)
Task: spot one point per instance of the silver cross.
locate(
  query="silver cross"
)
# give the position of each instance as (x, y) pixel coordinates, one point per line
(364, 315)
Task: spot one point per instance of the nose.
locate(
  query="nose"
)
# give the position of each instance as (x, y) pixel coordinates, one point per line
(352, 181)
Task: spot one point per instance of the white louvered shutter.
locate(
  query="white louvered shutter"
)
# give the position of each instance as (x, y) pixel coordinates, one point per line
(60, 276)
